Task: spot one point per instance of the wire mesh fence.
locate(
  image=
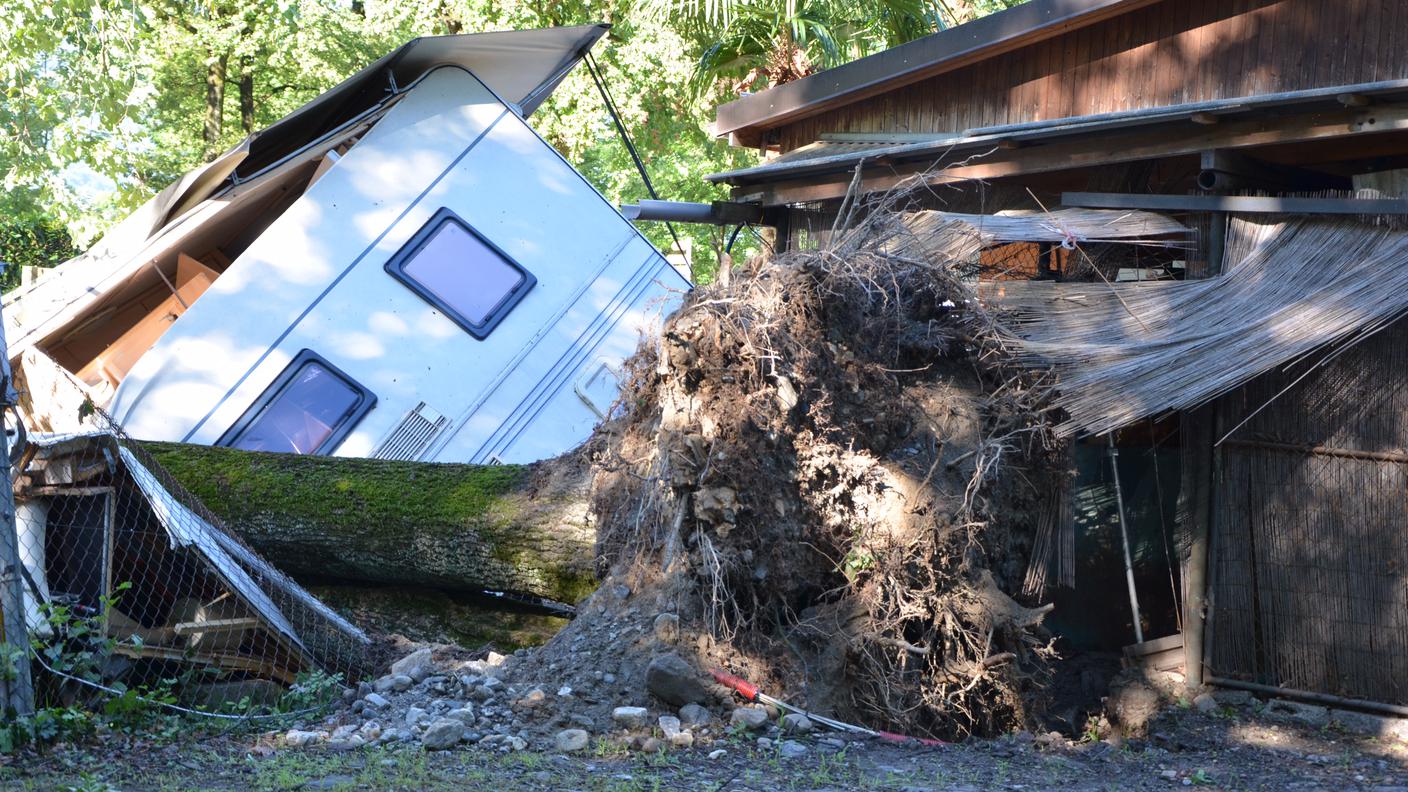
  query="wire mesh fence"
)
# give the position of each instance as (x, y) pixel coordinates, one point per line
(132, 587)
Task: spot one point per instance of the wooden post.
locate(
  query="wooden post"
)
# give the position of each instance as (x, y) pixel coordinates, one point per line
(1195, 577)
(15, 684)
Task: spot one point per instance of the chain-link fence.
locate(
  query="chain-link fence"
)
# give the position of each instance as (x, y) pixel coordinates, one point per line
(131, 586)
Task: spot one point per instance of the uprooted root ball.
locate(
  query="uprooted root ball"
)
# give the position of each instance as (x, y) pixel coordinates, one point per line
(835, 475)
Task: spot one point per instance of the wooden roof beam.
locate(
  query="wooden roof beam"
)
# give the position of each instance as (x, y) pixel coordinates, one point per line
(1143, 143)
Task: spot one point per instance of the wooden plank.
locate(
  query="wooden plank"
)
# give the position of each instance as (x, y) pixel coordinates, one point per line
(1154, 646)
(1237, 203)
(1170, 140)
(233, 662)
(215, 625)
(1318, 450)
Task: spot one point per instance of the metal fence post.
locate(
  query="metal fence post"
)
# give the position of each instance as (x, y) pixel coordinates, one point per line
(17, 687)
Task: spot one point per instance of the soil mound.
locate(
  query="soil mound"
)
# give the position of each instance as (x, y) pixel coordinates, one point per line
(823, 477)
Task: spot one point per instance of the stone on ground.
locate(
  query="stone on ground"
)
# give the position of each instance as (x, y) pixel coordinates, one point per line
(791, 749)
(694, 715)
(417, 665)
(667, 627)
(297, 738)
(675, 681)
(442, 734)
(752, 718)
(571, 740)
(796, 723)
(630, 717)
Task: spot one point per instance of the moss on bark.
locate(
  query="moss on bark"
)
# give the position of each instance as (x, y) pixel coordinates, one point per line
(461, 527)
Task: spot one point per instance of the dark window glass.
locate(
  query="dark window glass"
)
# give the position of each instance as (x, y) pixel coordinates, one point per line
(461, 273)
(308, 409)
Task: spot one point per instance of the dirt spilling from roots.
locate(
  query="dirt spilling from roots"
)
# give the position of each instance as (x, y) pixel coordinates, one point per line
(829, 472)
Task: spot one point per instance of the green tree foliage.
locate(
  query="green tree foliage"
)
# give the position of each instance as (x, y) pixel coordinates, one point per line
(107, 101)
(31, 240)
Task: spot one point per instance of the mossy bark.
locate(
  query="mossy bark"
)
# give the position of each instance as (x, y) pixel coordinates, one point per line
(522, 529)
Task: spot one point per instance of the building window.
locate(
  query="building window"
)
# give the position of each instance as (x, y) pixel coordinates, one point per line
(460, 272)
(308, 409)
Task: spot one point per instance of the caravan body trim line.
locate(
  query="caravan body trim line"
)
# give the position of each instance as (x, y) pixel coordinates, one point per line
(346, 270)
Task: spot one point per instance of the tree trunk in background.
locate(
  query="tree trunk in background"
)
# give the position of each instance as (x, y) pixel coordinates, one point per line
(247, 94)
(214, 105)
(467, 528)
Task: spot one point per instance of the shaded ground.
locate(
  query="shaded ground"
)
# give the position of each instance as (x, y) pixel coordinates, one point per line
(1231, 749)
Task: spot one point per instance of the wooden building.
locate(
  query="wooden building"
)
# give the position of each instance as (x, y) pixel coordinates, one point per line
(1234, 116)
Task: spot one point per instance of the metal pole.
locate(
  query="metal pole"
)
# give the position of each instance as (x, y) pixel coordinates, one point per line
(1124, 539)
(15, 684)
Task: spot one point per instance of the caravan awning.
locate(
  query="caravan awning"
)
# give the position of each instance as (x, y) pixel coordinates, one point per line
(1128, 351)
(521, 66)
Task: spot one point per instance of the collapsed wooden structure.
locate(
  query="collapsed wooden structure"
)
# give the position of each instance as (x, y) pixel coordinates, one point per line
(1253, 386)
(122, 562)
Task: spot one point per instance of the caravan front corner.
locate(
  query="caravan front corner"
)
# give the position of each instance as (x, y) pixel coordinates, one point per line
(444, 288)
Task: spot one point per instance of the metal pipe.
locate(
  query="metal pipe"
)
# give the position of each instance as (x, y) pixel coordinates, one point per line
(1124, 539)
(1315, 698)
(717, 213)
(1219, 181)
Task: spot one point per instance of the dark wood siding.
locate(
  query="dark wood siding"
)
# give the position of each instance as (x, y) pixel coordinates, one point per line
(1173, 52)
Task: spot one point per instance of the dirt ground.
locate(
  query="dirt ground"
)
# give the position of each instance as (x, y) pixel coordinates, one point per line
(1229, 749)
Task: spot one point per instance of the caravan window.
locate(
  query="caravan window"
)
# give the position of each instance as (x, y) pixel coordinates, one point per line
(460, 272)
(308, 409)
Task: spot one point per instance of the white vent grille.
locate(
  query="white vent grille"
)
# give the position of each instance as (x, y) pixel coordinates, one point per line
(410, 438)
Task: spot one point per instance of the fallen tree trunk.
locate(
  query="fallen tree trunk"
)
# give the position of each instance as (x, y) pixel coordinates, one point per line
(514, 528)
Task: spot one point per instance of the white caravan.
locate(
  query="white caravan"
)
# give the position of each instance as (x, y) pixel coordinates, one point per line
(401, 269)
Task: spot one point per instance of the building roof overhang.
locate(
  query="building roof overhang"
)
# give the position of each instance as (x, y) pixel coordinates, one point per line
(744, 120)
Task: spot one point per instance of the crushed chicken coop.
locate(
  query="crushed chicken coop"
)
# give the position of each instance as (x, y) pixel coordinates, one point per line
(121, 565)
(1229, 377)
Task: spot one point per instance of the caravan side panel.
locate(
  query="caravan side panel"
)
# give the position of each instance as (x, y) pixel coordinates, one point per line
(316, 280)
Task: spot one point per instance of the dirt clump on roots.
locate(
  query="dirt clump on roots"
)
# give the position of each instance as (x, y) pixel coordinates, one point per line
(825, 475)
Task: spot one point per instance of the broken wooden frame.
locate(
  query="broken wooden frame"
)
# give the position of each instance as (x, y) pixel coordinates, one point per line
(121, 563)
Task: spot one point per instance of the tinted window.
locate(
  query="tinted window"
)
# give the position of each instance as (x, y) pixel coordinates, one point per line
(461, 273)
(307, 410)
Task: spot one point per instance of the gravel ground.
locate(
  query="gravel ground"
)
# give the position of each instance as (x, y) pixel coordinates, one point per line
(1251, 747)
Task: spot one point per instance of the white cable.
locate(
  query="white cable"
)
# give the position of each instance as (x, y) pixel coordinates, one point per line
(168, 705)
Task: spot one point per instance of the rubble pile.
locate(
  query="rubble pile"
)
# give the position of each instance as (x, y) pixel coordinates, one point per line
(452, 703)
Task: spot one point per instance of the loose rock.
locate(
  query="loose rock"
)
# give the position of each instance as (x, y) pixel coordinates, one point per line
(694, 715)
(417, 665)
(791, 749)
(675, 681)
(630, 717)
(752, 718)
(667, 627)
(571, 740)
(442, 734)
(297, 738)
(796, 723)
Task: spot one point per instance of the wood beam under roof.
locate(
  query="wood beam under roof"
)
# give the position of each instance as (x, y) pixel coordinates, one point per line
(1173, 139)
